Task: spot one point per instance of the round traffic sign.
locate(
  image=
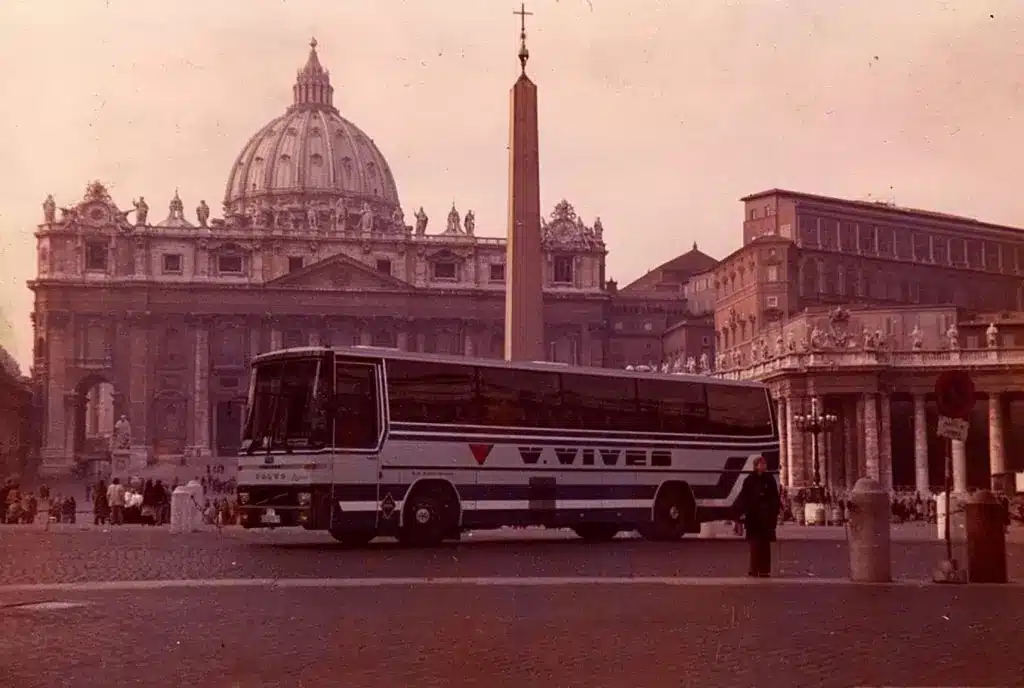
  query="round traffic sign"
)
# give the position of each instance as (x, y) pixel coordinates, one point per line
(954, 394)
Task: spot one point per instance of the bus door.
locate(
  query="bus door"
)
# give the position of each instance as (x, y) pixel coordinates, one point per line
(358, 437)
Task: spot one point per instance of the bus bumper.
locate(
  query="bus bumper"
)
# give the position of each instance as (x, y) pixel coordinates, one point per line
(264, 506)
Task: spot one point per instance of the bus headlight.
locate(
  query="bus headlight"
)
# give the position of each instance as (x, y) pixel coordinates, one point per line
(243, 497)
(305, 498)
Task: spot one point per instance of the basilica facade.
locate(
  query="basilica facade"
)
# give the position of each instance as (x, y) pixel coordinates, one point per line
(155, 317)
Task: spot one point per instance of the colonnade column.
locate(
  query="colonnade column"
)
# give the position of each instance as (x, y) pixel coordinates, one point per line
(871, 437)
(793, 443)
(885, 442)
(996, 448)
(784, 472)
(850, 463)
(921, 483)
(959, 450)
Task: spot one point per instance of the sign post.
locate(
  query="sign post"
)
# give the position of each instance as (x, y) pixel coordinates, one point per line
(954, 397)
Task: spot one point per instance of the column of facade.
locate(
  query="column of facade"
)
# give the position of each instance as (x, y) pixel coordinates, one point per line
(468, 342)
(201, 390)
(784, 472)
(402, 336)
(885, 441)
(255, 339)
(585, 345)
(139, 394)
(276, 334)
(921, 483)
(959, 450)
(996, 447)
(871, 437)
(421, 341)
(56, 453)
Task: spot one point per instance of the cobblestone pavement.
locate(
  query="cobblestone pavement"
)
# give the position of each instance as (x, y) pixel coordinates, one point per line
(647, 636)
(139, 553)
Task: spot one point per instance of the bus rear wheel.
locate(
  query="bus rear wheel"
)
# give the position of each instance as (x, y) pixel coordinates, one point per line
(596, 532)
(353, 538)
(671, 516)
(429, 517)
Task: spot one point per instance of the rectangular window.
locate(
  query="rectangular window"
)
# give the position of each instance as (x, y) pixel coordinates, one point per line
(294, 263)
(429, 393)
(771, 301)
(172, 264)
(738, 410)
(940, 250)
(356, 417)
(445, 271)
(229, 265)
(596, 401)
(674, 406)
(96, 256)
(497, 272)
(384, 266)
(772, 273)
(288, 406)
(922, 248)
(866, 239)
(518, 398)
(563, 270)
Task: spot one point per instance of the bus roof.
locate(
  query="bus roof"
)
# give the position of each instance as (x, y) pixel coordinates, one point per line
(388, 353)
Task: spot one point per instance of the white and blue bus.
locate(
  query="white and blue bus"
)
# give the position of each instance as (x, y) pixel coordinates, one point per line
(365, 442)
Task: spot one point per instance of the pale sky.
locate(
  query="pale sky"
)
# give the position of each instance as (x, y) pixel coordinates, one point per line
(656, 115)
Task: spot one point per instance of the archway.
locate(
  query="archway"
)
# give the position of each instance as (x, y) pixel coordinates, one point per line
(96, 409)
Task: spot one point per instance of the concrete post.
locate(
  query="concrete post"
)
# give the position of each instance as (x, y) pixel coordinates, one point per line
(869, 537)
(986, 539)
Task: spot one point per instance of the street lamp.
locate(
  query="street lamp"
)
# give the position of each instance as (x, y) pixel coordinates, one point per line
(815, 424)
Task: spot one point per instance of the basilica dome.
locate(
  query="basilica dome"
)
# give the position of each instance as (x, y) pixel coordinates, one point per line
(311, 154)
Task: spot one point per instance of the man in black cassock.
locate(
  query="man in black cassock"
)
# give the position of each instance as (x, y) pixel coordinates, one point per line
(759, 503)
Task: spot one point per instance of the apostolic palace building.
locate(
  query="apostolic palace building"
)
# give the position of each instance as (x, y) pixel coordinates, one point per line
(155, 315)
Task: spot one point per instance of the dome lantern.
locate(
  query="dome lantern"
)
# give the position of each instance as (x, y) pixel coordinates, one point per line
(313, 84)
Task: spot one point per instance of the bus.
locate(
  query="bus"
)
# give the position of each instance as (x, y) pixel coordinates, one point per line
(365, 442)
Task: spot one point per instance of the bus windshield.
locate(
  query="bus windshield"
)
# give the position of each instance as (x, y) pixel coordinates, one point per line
(288, 405)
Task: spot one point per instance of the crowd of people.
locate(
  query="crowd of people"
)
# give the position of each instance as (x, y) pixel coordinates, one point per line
(907, 506)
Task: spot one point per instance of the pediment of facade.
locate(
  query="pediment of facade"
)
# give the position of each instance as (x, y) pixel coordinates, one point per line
(340, 272)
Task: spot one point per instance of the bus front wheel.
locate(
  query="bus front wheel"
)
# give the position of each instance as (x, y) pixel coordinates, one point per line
(672, 512)
(429, 515)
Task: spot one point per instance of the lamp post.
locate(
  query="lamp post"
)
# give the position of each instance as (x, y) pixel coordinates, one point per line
(816, 423)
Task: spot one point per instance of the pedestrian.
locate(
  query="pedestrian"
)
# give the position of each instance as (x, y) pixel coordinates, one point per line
(759, 504)
(100, 505)
(116, 500)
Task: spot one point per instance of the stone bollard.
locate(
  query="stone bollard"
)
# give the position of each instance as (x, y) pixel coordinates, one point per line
(868, 534)
(986, 539)
(181, 508)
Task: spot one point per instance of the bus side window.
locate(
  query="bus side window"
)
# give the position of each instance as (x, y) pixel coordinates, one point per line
(596, 402)
(737, 410)
(356, 421)
(518, 398)
(675, 406)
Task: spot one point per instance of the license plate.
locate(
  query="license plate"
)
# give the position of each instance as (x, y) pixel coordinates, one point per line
(270, 516)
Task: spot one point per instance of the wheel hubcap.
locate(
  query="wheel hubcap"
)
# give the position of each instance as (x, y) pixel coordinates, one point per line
(422, 515)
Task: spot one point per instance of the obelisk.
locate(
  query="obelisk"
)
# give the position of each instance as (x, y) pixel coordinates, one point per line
(524, 297)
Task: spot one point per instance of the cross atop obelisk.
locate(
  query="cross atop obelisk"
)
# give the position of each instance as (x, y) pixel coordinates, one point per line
(524, 271)
(524, 54)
